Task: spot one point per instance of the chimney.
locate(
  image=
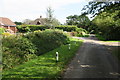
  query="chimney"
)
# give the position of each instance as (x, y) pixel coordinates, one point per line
(40, 16)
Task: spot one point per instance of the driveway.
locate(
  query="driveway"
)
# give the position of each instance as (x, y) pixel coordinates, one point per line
(93, 60)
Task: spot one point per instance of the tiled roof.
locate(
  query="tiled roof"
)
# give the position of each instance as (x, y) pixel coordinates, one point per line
(6, 22)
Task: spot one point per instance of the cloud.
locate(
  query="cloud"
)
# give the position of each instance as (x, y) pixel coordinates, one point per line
(22, 9)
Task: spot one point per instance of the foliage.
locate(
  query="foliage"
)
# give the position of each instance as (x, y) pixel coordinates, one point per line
(47, 40)
(67, 28)
(16, 50)
(6, 34)
(31, 28)
(81, 21)
(2, 30)
(81, 32)
(108, 24)
(23, 28)
(26, 21)
(18, 23)
(45, 66)
(19, 49)
(51, 20)
(95, 7)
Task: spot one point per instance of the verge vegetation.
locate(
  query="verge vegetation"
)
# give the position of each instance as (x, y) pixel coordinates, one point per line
(45, 66)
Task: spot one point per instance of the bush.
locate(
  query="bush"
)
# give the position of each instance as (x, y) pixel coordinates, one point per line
(2, 30)
(66, 28)
(81, 32)
(16, 50)
(31, 28)
(47, 40)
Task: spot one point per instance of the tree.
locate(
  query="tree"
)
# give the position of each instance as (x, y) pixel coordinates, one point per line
(51, 21)
(18, 23)
(79, 20)
(108, 23)
(50, 14)
(27, 21)
(84, 22)
(95, 7)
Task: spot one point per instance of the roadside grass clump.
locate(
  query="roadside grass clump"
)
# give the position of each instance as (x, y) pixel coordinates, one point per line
(45, 66)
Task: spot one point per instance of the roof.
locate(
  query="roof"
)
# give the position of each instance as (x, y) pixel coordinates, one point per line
(6, 22)
(41, 21)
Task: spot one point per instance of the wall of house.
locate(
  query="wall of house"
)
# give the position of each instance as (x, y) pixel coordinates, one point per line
(14, 29)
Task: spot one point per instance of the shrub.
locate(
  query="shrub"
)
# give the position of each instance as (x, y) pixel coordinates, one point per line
(66, 28)
(6, 34)
(29, 28)
(81, 32)
(16, 50)
(47, 40)
(2, 30)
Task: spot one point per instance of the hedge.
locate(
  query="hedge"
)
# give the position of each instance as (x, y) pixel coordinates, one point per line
(31, 28)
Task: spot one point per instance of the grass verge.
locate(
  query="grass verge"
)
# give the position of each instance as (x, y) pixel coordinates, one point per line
(103, 39)
(45, 66)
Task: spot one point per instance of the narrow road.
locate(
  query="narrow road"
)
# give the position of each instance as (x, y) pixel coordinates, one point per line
(93, 60)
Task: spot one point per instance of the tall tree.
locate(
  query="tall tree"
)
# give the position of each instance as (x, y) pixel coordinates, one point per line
(50, 14)
(26, 21)
(79, 20)
(94, 7)
(51, 20)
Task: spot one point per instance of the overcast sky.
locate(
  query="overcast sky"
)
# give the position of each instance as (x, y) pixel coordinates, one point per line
(19, 10)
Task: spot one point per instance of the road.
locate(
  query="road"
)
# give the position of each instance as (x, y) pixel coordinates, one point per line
(93, 60)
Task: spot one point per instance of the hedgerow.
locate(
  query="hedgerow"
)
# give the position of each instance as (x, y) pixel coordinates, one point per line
(21, 48)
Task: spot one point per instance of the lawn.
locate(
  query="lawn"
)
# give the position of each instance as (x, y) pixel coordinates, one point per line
(45, 66)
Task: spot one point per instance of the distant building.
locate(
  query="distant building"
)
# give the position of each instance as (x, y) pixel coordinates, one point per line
(8, 25)
(39, 21)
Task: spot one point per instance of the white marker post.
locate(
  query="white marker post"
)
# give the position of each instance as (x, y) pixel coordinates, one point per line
(69, 46)
(57, 56)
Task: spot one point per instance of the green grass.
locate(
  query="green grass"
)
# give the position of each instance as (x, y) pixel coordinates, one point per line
(45, 66)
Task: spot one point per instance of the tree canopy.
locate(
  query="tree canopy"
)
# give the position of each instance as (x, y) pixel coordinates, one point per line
(95, 7)
(107, 20)
(79, 20)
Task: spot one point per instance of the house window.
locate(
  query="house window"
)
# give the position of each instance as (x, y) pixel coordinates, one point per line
(38, 23)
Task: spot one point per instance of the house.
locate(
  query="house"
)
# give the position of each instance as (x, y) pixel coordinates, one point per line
(39, 21)
(8, 25)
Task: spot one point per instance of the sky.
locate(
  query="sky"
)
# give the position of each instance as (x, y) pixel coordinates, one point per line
(19, 10)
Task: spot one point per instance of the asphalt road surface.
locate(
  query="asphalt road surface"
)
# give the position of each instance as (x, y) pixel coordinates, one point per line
(93, 60)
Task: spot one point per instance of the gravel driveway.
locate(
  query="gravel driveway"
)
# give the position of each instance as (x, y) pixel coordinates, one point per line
(93, 60)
